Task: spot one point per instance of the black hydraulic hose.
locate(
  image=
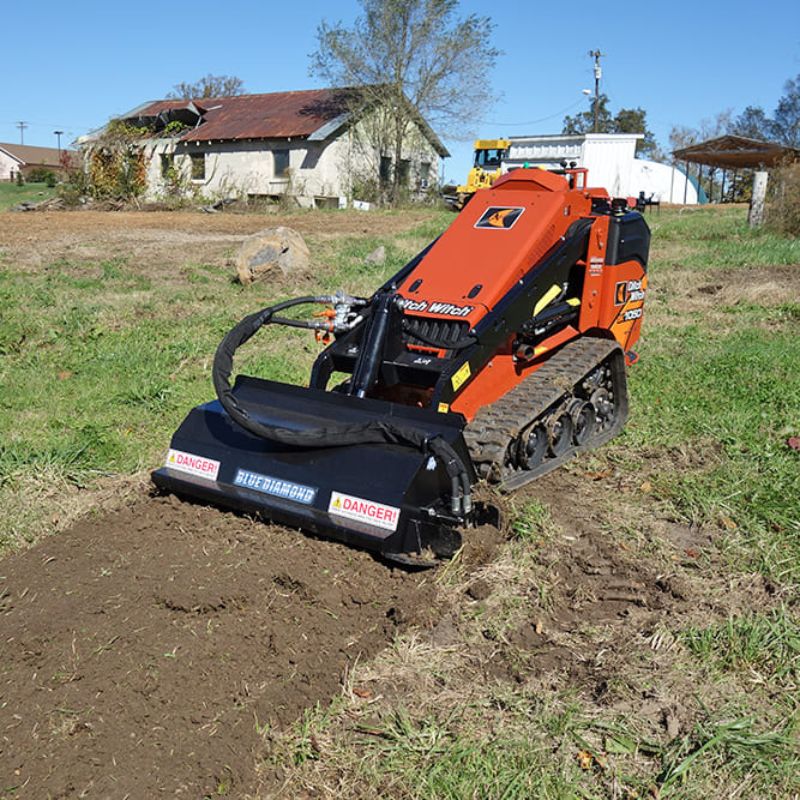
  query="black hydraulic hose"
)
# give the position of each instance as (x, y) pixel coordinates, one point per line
(373, 432)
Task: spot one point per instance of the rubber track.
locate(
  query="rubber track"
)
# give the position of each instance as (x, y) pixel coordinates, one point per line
(493, 428)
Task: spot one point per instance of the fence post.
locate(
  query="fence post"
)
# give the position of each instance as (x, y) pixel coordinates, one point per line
(756, 215)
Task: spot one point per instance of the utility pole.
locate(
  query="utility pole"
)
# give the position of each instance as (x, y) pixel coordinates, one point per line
(22, 126)
(598, 73)
(58, 135)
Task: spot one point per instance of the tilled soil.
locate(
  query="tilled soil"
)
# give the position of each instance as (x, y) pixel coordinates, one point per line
(144, 652)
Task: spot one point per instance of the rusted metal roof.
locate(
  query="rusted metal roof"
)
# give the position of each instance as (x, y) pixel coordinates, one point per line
(313, 113)
(737, 152)
(277, 115)
(156, 107)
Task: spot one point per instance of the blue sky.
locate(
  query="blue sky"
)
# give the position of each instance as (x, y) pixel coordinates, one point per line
(71, 66)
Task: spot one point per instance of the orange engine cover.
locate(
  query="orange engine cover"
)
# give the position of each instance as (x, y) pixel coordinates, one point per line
(492, 244)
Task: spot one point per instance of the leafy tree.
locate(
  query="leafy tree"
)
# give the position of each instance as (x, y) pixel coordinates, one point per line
(754, 123)
(783, 126)
(634, 120)
(583, 122)
(209, 86)
(626, 120)
(402, 58)
(786, 119)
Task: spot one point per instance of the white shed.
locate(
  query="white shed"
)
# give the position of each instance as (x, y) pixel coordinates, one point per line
(611, 161)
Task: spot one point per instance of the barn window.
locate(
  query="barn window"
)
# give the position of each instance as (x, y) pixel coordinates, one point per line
(281, 163)
(424, 174)
(198, 166)
(385, 170)
(404, 172)
(167, 163)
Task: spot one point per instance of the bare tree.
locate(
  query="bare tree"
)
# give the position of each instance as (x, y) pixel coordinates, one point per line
(209, 86)
(402, 58)
(710, 128)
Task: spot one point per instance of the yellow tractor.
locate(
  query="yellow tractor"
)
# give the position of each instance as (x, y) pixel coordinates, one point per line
(487, 168)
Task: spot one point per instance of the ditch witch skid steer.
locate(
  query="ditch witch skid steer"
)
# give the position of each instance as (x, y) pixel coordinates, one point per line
(495, 354)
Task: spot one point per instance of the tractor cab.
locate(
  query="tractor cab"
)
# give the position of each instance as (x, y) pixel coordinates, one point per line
(487, 167)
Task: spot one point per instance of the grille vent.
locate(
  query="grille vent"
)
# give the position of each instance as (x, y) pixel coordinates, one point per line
(440, 330)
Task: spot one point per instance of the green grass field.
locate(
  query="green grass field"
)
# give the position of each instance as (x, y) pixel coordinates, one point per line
(100, 359)
(11, 194)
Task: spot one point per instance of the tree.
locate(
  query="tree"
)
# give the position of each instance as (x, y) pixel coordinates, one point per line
(753, 123)
(709, 128)
(402, 58)
(583, 122)
(681, 136)
(634, 120)
(209, 86)
(626, 120)
(786, 119)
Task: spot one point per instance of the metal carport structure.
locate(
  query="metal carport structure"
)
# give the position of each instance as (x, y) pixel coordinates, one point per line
(731, 152)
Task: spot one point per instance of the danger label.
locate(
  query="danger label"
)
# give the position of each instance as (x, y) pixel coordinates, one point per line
(193, 465)
(357, 508)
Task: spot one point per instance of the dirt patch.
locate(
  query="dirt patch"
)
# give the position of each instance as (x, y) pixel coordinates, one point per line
(171, 238)
(764, 286)
(146, 652)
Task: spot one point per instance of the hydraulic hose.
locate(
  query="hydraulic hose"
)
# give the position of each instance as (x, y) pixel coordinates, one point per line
(373, 432)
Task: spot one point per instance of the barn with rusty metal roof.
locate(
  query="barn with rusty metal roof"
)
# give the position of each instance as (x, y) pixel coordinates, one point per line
(309, 147)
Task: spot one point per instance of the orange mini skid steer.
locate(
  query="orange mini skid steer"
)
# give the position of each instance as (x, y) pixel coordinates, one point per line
(495, 354)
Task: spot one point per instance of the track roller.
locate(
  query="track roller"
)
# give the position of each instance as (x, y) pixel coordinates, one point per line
(584, 421)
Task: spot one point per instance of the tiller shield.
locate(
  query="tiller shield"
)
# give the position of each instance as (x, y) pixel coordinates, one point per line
(383, 497)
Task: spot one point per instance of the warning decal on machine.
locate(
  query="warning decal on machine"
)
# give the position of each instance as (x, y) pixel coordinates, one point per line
(193, 465)
(499, 218)
(460, 376)
(357, 508)
(277, 487)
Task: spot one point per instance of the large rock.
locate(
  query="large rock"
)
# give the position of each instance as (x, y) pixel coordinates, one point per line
(377, 256)
(271, 253)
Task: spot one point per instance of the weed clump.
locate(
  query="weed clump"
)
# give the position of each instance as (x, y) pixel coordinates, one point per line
(783, 209)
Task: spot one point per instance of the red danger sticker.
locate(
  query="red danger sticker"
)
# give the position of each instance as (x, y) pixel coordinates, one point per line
(194, 465)
(361, 510)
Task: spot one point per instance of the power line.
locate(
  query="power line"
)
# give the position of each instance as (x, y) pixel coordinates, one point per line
(38, 124)
(534, 121)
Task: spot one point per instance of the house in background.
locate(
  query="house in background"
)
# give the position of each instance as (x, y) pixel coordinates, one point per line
(24, 158)
(305, 144)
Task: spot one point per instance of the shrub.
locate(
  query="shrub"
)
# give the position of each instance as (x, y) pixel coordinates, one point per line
(41, 175)
(783, 205)
(74, 186)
